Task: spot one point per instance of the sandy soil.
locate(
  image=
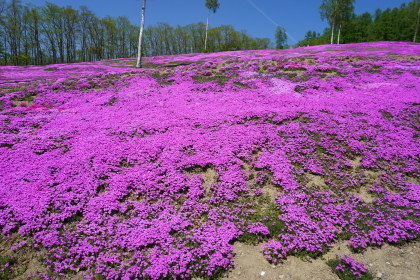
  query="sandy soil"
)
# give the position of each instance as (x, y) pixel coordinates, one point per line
(386, 263)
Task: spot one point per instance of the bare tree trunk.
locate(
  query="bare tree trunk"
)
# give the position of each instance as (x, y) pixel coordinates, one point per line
(332, 33)
(207, 31)
(417, 27)
(143, 11)
(339, 33)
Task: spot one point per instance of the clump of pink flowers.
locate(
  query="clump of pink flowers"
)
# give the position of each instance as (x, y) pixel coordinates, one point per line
(122, 173)
(348, 268)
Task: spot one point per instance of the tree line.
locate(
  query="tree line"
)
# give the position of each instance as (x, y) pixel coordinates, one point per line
(398, 24)
(50, 33)
(163, 39)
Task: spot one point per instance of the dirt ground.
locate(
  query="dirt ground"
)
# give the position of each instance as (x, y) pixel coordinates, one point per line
(386, 263)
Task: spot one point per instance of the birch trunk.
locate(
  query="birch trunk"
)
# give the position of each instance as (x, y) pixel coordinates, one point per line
(143, 12)
(339, 33)
(332, 33)
(207, 31)
(417, 27)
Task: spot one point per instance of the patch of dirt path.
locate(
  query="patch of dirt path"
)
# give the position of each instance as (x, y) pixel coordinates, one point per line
(386, 263)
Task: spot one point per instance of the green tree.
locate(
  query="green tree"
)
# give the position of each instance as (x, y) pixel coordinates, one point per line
(212, 6)
(3, 45)
(111, 37)
(13, 30)
(53, 34)
(52, 24)
(310, 35)
(336, 12)
(356, 28)
(329, 11)
(281, 37)
(123, 29)
(71, 31)
(397, 24)
(32, 19)
(346, 10)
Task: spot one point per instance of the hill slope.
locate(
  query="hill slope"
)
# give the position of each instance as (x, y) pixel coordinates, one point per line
(113, 172)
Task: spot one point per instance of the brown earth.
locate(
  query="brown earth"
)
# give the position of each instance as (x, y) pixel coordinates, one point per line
(386, 263)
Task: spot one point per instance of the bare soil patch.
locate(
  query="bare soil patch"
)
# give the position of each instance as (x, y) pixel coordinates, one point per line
(387, 262)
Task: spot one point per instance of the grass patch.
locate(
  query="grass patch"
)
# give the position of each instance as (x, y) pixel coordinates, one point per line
(330, 70)
(293, 69)
(6, 271)
(26, 100)
(220, 79)
(9, 268)
(377, 49)
(347, 274)
(217, 274)
(270, 218)
(163, 78)
(111, 101)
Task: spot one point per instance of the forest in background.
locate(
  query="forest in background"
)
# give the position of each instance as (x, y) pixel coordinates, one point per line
(52, 34)
(398, 24)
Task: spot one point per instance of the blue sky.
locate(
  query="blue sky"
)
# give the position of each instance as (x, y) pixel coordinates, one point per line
(296, 16)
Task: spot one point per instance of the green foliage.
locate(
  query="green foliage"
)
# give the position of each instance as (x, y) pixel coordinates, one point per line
(212, 5)
(217, 274)
(318, 39)
(346, 275)
(310, 35)
(281, 37)
(269, 216)
(163, 39)
(220, 79)
(249, 238)
(6, 268)
(336, 11)
(398, 24)
(53, 34)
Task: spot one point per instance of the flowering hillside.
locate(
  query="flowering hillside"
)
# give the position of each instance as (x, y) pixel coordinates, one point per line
(119, 173)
